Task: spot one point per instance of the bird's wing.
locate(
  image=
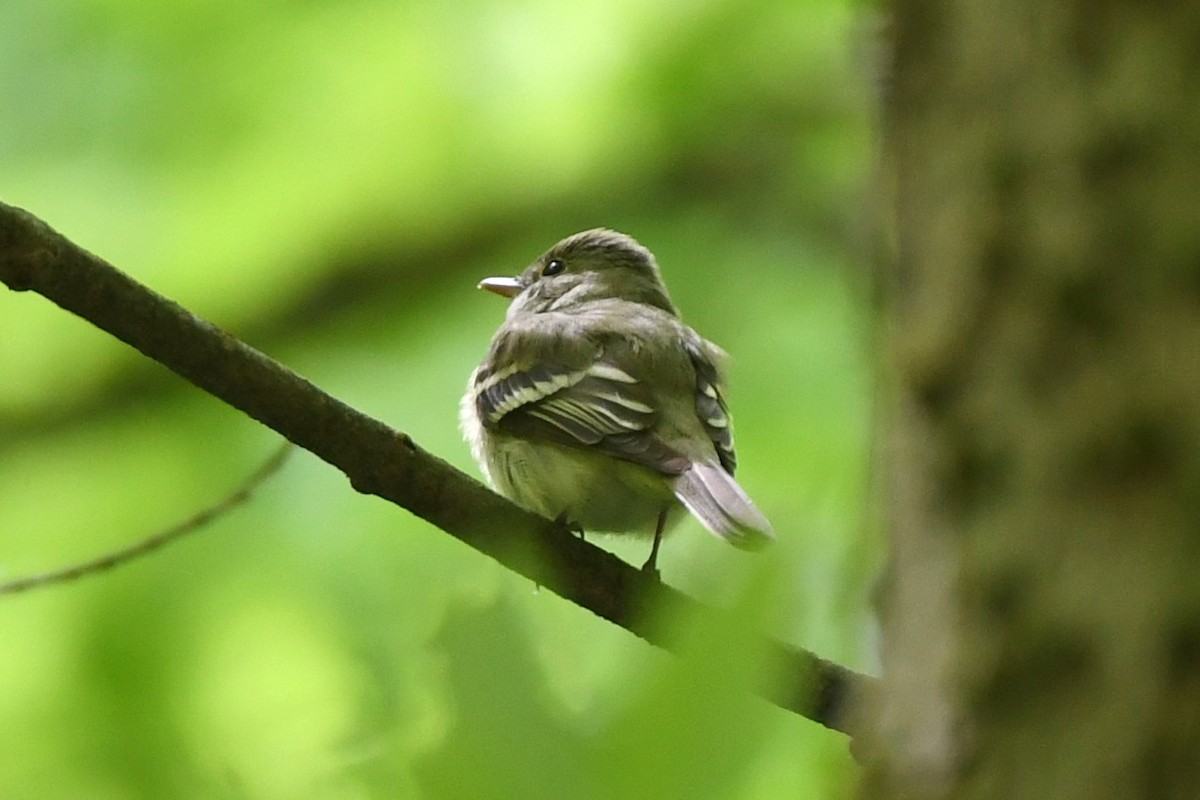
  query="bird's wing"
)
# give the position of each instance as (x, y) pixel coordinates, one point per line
(710, 402)
(594, 405)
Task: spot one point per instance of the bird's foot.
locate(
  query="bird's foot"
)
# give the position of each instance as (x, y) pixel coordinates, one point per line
(570, 527)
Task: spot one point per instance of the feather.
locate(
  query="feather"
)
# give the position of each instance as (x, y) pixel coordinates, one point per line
(716, 499)
(711, 408)
(601, 406)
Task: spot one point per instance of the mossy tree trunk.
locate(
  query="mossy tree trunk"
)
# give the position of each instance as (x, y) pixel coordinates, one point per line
(1041, 611)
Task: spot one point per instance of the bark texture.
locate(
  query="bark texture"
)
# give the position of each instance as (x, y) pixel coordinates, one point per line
(1041, 610)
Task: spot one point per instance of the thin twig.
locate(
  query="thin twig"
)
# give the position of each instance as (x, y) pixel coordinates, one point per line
(154, 542)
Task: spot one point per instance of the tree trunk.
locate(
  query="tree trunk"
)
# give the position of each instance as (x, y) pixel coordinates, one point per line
(1041, 610)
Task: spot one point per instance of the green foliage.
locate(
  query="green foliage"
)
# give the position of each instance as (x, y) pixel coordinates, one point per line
(329, 180)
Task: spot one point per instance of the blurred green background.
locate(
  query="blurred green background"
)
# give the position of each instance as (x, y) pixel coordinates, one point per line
(328, 180)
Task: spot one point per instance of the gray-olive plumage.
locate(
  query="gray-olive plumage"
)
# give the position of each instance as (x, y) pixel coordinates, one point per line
(598, 405)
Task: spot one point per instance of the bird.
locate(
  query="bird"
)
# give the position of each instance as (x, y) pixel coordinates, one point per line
(596, 406)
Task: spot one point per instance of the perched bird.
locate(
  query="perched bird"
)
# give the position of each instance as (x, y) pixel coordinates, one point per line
(597, 406)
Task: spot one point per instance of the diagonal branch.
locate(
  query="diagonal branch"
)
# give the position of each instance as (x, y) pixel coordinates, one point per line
(381, 461)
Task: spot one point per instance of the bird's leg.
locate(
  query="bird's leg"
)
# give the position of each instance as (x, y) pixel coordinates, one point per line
(651, 565)
(563, 521)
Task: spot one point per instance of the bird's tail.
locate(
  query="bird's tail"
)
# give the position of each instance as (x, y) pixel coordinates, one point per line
(714, 498)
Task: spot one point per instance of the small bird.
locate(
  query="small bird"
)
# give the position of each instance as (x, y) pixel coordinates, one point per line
(597, 406)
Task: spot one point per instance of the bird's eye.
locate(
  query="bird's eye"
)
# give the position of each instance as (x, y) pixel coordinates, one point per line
(553, 267)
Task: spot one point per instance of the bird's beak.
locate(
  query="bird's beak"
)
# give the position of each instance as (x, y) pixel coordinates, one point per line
(505, 287)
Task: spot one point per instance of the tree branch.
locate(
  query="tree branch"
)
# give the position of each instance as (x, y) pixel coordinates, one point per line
(381, 461)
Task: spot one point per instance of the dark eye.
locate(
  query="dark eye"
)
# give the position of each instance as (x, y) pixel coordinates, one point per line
(553, 267)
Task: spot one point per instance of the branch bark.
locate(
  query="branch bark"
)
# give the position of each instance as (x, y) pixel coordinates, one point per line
(381, 461)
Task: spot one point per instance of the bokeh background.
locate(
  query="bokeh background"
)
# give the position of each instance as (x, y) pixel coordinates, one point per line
(328, 181)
